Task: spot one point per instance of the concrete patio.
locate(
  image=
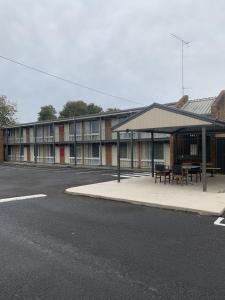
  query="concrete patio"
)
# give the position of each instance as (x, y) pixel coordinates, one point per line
(143, 191)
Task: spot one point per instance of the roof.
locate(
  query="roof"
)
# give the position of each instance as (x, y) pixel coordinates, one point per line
(199, 106)
(161, 118)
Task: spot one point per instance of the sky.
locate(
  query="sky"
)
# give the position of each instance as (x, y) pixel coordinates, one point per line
(124, 48)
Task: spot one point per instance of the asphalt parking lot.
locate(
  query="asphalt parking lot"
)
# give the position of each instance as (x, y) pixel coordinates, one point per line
(67, 247)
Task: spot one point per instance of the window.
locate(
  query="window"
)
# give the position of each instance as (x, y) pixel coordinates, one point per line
(95, 150)
(78, 151)
(21, 132)
(194, 149)
(71, 128)
(50, 150)
(9, 150)
(78, 128)
(158, 153)
(123, 150)
(22, 150)
(50, 130)
(95, 126)
(39, 131)
(38, 149)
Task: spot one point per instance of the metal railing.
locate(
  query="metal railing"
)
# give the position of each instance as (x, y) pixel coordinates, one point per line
(91, 136)
(92, 161)
(45, 159)
(15, 157)
(79, 161)
(144, 163)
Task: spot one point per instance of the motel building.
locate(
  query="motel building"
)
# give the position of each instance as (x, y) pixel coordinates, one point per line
(178, 132)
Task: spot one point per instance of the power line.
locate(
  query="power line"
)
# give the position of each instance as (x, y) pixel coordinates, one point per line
(68, 80)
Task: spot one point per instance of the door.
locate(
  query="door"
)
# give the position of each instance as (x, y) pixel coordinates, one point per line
(220, 154)
(28, 153)
(62, 154)
(61, 133)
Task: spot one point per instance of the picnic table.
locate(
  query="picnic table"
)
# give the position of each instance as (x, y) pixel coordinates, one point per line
(212, 170)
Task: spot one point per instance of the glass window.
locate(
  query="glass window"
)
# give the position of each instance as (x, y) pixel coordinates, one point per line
(50, 150)
(123, 150)
(194, 149)
(95, 126)
(72, 151)
(21, 132)
(9, 150)
(22, 150)
(51, 131)
(95, 150)
(71, 128)
(78, 128)
(158, 153)
(78, 150)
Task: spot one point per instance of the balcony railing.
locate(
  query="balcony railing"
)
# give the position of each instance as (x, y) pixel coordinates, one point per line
(70, 137)
(15, 140)
(45, 159)
(16, 157)
(91, 136)
(144, 163)
(92, 161)
(79, 161)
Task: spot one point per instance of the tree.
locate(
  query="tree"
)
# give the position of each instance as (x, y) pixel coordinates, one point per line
(73, 109)
(94, 109)
(7, 112)
(112, 109)
(47, 113)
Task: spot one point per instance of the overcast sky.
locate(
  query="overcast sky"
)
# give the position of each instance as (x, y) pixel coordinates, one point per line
(122, 47)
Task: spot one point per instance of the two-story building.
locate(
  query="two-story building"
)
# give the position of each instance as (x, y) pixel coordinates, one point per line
(90, 141)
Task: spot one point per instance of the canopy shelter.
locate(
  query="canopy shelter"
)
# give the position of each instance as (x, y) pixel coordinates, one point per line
(159, 118)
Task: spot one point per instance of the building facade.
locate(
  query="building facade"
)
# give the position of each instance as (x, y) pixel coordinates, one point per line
(90, 141)
(82, 141)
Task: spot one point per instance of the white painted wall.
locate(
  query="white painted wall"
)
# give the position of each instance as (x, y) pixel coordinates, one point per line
(67, 154)
(103, 155)
(57, 154)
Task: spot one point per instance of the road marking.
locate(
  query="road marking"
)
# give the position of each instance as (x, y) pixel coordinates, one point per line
(23, 198)
(218, 221)
(128, 175)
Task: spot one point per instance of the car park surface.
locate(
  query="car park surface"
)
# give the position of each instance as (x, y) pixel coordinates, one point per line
(66, 247)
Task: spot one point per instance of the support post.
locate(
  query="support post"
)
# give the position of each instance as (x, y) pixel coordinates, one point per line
(118, 156)
(74, 142)
(53, 125)
(35, 143)
(7, 144)
(20, 144)
(204, 179)
(132, 149)
(100, 137)
(153, 153)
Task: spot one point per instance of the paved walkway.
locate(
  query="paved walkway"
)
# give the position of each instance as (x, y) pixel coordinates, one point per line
(144, 191)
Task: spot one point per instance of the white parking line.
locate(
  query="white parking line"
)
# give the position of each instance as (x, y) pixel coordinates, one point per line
(218, 221)
(22, 198)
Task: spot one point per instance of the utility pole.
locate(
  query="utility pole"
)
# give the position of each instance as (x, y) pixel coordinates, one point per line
(183, 42)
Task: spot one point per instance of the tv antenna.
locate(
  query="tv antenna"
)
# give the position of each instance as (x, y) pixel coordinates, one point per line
(183, 43)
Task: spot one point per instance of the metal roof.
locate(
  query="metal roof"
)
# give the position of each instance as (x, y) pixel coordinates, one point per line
(199, 106)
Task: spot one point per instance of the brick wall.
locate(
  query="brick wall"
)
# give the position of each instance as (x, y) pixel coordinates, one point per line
(218, 107)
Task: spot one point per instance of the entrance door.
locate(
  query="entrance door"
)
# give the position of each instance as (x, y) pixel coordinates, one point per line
(61, 133)
(62, 155)
(220, 154)
(28, 153)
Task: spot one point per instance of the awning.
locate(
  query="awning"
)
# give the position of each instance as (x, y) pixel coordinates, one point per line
(161, 118)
